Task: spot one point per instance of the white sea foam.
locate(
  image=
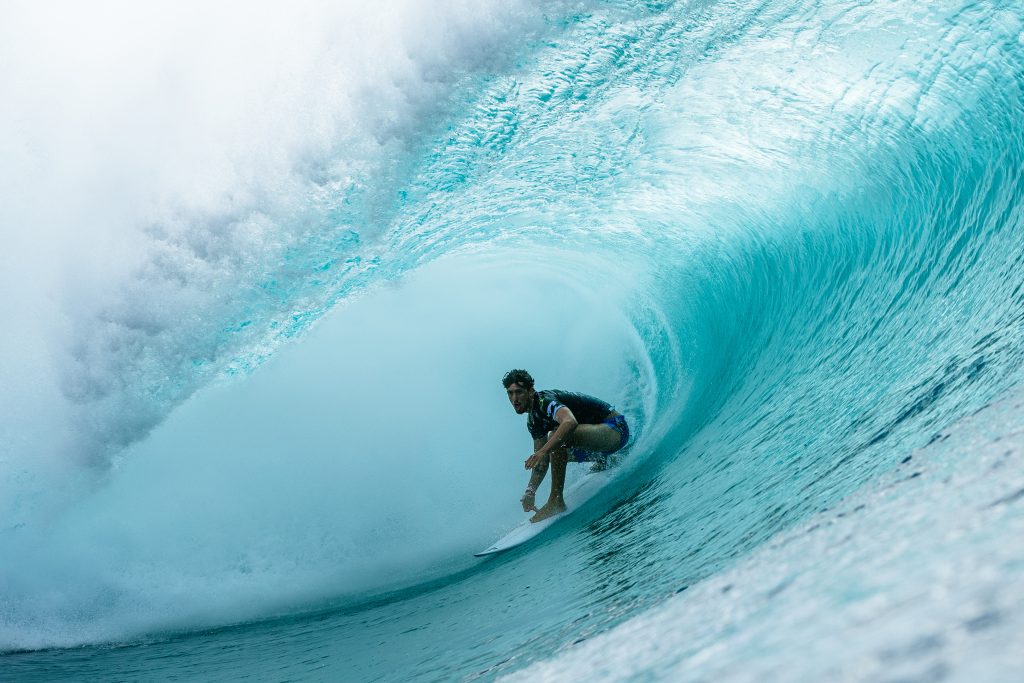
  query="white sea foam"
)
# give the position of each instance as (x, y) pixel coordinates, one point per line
(157, 162)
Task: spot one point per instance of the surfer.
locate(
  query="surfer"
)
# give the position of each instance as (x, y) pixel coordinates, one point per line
(563, 425)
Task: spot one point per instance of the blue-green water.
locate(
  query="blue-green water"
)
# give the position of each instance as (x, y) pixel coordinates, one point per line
(254, 424)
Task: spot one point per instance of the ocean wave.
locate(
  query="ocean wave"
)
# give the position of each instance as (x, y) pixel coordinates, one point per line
(786, 238)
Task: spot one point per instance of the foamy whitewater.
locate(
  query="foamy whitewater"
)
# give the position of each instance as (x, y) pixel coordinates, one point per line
(263, 269)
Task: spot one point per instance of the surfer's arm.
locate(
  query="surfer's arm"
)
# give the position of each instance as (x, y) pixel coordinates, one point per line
(536, 477)
(540, 468)
(566, 426)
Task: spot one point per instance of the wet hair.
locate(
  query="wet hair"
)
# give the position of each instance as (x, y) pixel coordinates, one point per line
(520, 377)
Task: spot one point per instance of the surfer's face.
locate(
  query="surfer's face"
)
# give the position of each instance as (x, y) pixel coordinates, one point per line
(520, 397)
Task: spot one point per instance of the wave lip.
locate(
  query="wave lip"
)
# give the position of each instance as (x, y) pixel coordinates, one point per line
(217, 198)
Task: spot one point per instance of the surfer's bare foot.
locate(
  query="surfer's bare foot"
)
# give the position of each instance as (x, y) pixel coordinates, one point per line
(550, 509)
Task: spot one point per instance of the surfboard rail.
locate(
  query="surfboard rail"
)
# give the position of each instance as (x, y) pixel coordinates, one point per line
(575, 495)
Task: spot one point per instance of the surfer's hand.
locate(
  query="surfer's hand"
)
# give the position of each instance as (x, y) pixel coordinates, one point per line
(534, 460)
(527, 499)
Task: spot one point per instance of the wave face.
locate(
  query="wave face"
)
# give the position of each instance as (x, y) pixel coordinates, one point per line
(279, 273)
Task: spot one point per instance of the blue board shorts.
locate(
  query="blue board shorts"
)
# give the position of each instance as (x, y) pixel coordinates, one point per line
(618, 423)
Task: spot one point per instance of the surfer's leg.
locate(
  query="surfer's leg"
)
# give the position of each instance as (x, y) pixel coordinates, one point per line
(596, 443)
(600, 438)
(556, 502)
(591, 441)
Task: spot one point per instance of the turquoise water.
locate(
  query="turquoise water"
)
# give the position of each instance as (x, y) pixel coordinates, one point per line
(254, 423)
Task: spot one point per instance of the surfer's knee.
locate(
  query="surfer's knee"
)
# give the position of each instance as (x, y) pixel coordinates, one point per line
(560, 454)
(563, 448)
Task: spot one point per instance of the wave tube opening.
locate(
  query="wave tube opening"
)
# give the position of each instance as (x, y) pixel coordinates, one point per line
(375, 452)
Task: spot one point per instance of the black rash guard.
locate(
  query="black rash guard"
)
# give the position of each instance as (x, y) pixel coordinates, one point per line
(586, 409)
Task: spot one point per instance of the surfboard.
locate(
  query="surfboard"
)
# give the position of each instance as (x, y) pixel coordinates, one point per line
(575, 495)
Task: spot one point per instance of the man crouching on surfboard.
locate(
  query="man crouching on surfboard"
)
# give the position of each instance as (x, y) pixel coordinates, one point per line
(563, 425)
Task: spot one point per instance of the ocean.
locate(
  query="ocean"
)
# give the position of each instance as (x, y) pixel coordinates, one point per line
(265, 268)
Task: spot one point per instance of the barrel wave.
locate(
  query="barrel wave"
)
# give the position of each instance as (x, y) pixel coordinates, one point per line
(253, 424)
